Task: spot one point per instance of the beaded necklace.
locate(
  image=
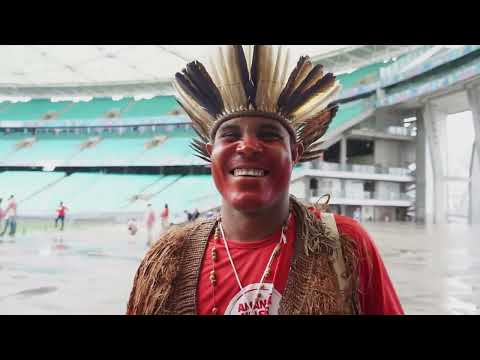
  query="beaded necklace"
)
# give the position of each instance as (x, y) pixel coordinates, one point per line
(214, 256)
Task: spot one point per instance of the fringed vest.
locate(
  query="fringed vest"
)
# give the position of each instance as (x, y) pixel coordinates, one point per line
(323, 277)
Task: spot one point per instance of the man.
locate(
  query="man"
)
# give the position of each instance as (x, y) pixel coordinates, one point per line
(195, 214)
(150, 223)
(164, 218)
(61, 215)
(132, 226)
(10, 218)
(357, 214)
(266, 253)
(189, 215)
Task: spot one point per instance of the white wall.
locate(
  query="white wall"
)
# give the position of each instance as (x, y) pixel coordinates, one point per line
(407, 153)
(387, 153)
(475, 190)
(354, 188)
(299, 188)
(429, 177)
(387, 189)
(329, 186)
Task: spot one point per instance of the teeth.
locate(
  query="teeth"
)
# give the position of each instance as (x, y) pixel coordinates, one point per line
(248, 172)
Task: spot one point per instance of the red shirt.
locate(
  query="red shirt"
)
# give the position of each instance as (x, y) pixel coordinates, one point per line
(150, 218)
(61, 210)
(164, 213)
(377, 295)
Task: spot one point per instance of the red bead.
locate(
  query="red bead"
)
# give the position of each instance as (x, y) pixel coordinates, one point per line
(214, 310)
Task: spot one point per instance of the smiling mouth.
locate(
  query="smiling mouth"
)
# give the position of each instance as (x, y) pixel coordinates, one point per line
(249, 172)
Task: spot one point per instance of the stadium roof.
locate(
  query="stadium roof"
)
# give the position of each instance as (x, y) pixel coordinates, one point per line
(66, 71)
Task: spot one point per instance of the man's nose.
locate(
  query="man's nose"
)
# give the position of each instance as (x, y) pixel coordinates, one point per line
(249, 145)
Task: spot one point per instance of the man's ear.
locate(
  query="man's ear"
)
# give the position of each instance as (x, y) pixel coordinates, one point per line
(209, 147)
(297, 152)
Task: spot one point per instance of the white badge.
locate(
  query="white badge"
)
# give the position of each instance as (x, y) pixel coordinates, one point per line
(245, 302)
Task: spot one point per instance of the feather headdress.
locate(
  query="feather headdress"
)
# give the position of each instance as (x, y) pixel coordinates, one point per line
(256, 81)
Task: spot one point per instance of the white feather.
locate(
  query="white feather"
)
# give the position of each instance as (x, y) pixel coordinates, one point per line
(276, 85)
(225, 79)
(314, 107)
(211, 68)
(286, 69)
(233, 67)
(248, 50)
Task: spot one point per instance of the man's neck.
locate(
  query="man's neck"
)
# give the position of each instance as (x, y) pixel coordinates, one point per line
(242, 226)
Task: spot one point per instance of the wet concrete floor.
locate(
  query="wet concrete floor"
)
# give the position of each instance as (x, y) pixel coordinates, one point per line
(436, 269)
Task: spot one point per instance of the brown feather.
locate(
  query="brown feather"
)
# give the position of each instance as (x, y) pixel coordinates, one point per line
(315, 75)
(322, 85)
(316, 128)
(254, 73)
(315, 103)
(197, 124)
(245, 77)
(202, 80)
(291, 79)
(191, 89)
(200, 149)
(200, 154)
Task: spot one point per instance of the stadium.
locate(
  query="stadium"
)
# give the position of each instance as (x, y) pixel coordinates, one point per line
(98, 128)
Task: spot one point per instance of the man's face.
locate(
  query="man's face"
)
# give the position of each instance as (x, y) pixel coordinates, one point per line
(252, 161)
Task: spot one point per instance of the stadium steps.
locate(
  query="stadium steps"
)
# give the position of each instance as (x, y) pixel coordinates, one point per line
(44, 188)
(127, 107)
(23, 184)
(157, 106)
(96, 109)
(144, 189)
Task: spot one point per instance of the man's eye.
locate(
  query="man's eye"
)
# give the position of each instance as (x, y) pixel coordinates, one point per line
(229, 135)
(269, 135)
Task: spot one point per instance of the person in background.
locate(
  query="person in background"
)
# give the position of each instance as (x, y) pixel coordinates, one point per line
(357, 214)
(189, 215)
(150, 223)
(10, 218)
(195, 215)
(132, 226)
(164, 218)
(61, 215)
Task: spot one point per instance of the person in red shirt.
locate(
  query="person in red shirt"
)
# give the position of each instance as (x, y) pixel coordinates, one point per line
(61, 215)
(266, 253)
(164, 217)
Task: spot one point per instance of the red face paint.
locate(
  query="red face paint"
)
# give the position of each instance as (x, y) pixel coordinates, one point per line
(246, 144)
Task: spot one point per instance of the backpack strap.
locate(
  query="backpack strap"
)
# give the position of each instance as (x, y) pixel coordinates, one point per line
(337, 259)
